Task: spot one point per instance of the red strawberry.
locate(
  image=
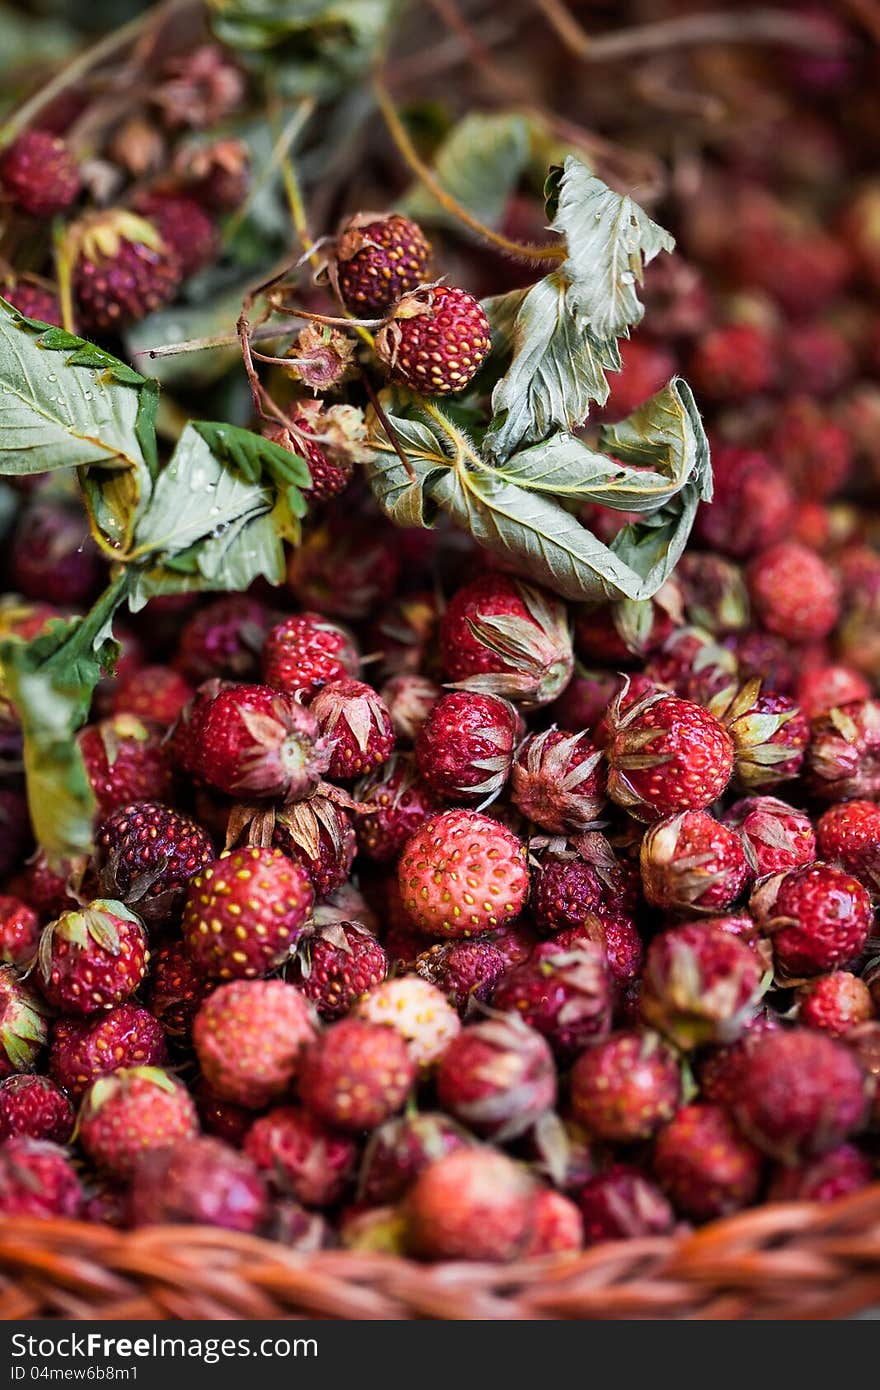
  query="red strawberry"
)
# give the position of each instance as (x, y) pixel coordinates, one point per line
(473, 1204)
(761, 654)
(693, 863)
(622, 1204)
(692, 664)
(618, 936)
(817, 917)
(461, 874)
(834, 1003)
(356, 725)
(504, 637)
(376, 259)
(625, 1088)
(585, 699)
(199, 87)
(558, 1225)
(177, 988)
(53, 557)
(646, 368)
(336, 963)
(39, 173)
(813, 451)
(33, 300)
(666, 755)
(124, 269)
(304, 652)
(417, 1011)
(799, 1094)
(125, 761)
(216, 172)
(154, 693)
(145, 856)
(84, 1049)
(705, 1165)
(734, 360)
(793, 591)
(300, 1157)
(566, 890)
(245, 913)
(331, 439)
(19, 931)
(848, 835)
(319, 835)
(15, 834)
(222, 1118)
(498, 1077)
(752, 506)
(402, 1148)
(185, 229)
(778, 835)
(843, 759)
(22, 1023)
(769, 732)
(619, 634)
(465, 746)
(409, 699)
(719, 1067)
(345, 568)
(38, 1179)
(92, 957)
(564, 994)
(405, 633)
(829, 686)
(395, 802)
(131, 1111)
(35, 1107)
(465, 971)
(255, 741)
(864, 1042)
(713, 592)
(557, 781)
(356, 1075)
(701, 985)
(198, 1181)
(248, 1037)
(224, 639)
(435, 339)
(834, 1174)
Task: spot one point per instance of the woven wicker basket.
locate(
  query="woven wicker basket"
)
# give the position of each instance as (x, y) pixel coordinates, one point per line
(799, 1260)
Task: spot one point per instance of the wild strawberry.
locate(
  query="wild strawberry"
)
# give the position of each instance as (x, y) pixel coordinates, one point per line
(303, 652)
(763, 656)
(15, 834)
(618, 936)
(347, 571)
(355, 725)
(125, 761)
(666, 755)
(199, 87)
(465, 971)
(92, 957)
(331, 440)
(394, 803)
(222, 1118)
(813, 451)
(184, 227)
(145, 856)
(558, 1225)
(35, 1107)
(848, 835)
(473, 1204)
(622, 1204)
(843, 759)
(376, 259)
(620, 634)
(53, 557)
(752, 506)
(813, 265)
(557, 781)
(84, 1049)
(434, 340)
(404, 634)
(19, 931)
(248, 1037)
(799, 1094)
(356, 1075)
(177, 988)
(504, 637)
(199, 1181)
(33, 300)
(154, 693)
(834, 1003)
(818, 360)
(39, 173)
(130, 1111)
(401, 1148)
(299, 1157)
(255, 741)
(463, 873)
(565, 995)
(693, 863)
(319, 835)
(585, 699)
(778, 835)
(834, 1174)
(733, 361)
(769, 732)
(417, 1011)
(625, 1088)
(713, 592)
(409, 700)
(718, 1068)
(224, 639)
(864, 1042)
(565, 890)
(124, 269)
(793, 591)
(704, 1164)
(465, 746)
(47, 892)
(38, 1179)
(701, 985)
(816, 917)
(245, 913)
(217, 172)
(646, 367)
(692, 664)
(336, 963)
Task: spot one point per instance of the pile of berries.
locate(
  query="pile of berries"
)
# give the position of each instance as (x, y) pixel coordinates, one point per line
(429, 913)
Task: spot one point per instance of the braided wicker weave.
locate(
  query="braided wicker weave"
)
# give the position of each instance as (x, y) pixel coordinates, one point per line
(799, 1260)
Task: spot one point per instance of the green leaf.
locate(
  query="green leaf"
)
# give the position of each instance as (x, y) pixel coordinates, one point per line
(609, 241)
(79, 408)
(51, 681)
(480, 163)
(557, 368)
(251, 454)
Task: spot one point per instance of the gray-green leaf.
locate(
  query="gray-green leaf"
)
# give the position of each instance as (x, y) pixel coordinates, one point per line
(480, 163)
